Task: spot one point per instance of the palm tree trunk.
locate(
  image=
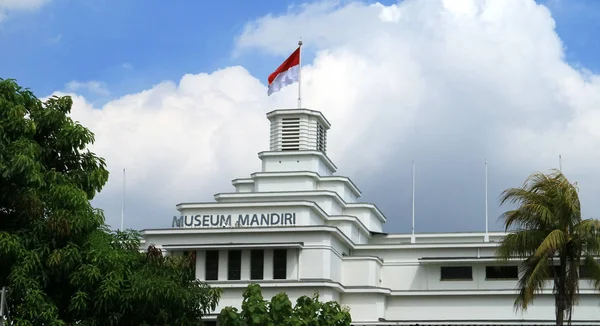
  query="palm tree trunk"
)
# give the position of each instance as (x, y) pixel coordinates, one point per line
(561, 293)
(560, 310)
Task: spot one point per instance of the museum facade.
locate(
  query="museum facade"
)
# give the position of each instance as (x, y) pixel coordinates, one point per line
(297, 227)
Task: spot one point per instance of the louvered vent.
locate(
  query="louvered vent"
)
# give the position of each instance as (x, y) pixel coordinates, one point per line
(298, 130)
(290, 134)
(321, 138)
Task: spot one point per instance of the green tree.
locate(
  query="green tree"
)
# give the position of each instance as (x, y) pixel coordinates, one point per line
(60, 262)
(308, 311)
(549, 234)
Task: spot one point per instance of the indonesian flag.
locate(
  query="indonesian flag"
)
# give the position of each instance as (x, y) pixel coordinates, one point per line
(286, 74)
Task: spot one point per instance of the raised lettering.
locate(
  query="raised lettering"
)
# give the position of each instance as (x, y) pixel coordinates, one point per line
(188, 221)
(219, 220)
(264, 219)
(177, 221)
(274, 218)
(225, 220)
(243, 220)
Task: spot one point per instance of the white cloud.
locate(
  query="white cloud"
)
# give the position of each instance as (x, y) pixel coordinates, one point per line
(127, 65)
(92, 86)
(447, 83)
(8, 6)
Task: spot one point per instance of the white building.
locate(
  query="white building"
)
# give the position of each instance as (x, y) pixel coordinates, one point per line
(296, 227)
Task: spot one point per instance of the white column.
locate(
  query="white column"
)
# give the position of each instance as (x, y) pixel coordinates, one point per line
(292, 266)
(223, 265)
(268, 264)
(245, 275)
(200, 264)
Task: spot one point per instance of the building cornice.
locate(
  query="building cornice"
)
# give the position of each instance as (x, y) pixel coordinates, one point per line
(314, 175)
(300, 193)
(250, 230)
(322, 155)
(314, 113)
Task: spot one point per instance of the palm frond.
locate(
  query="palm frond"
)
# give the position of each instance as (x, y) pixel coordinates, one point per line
(587, 233)
(552, 243)
(535, 273)
(520, 244)
(592, 267)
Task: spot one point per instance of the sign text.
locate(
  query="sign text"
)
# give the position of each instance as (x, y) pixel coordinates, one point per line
(272, 219)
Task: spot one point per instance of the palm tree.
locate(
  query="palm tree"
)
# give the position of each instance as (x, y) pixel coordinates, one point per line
(548, 233)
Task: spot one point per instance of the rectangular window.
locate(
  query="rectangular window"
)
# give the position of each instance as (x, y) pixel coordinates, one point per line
(584, 272)
(457, 273)
(234, 265)
(555, 269)
(502, 272)
(191, 256)
(280, 264)
(257, 264)
(212, 265)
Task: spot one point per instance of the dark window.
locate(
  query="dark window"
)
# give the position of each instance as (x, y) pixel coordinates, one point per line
(280, 264)
(234, 265)
(585, 272)
(555, 269)
(457, 273)
(502, 272)
(212, 265)
(257, 264)
(191, 256)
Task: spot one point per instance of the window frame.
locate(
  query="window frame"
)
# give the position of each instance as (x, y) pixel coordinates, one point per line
(206, 266)
(278, 269)
(238, 262)
(259, 260)
(442, 278)
(488, 278)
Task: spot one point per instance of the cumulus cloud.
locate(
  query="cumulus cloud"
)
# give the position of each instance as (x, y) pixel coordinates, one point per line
(9, 6)
(446, 83)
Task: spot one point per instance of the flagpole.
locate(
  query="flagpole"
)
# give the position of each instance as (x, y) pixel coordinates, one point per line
(299, 73)
(123, 202)
(559, 162)
(487, 235)
(412, 238)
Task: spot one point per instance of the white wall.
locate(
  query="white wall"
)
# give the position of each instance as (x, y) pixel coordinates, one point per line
(481, 307)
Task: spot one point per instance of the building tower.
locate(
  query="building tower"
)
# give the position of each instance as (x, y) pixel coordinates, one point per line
(298, 142)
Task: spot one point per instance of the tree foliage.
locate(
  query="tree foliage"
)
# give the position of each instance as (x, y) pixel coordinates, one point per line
(308, 311)
(552, 238)
(60, 262)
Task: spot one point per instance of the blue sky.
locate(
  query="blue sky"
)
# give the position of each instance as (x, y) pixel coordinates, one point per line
(132, 45)
(129, 46)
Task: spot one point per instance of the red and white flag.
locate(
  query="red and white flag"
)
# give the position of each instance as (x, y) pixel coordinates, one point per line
(287, 73)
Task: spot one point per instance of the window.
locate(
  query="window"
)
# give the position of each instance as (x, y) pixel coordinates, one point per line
(212, 265)
(321, 138)
(502, 272)
(280, 264)
(257, 264)
(290, 134)
(191, 256)
(234, 265)
(585, 272)
(457, 273)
